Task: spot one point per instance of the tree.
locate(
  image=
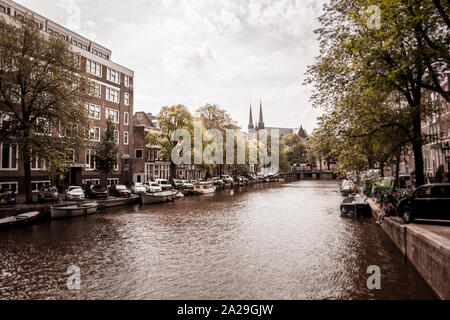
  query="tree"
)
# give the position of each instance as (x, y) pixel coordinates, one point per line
(107, 152)
(406, 55)
(214, 117)
(40, 84)
(171, 119)
(293, 148)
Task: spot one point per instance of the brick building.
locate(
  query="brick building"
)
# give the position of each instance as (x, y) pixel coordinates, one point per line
(112, 97)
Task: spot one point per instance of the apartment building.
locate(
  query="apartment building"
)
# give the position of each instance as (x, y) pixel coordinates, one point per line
(111, 98)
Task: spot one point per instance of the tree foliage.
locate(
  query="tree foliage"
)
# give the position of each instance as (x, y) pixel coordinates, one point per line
(107, 152)
(40, 84)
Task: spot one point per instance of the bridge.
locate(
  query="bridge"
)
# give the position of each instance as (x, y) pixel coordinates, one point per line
(309, 175)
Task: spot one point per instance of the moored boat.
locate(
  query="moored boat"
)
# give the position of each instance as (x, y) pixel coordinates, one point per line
(158, 197)
(204, 188)
(357, 205)
(76, 210)
(19, 220)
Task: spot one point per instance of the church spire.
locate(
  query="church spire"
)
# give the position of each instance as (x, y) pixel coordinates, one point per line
(250, 122)
(261, 125)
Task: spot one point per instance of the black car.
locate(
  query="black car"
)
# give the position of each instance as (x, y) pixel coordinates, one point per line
(120, 190)
(48, 193)
(96, 192)
(7, 197)
(431, 201)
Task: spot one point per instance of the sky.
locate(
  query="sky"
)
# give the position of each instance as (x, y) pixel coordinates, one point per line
(193, 52)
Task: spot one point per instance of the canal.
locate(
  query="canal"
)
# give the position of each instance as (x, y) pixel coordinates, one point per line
(259, 242)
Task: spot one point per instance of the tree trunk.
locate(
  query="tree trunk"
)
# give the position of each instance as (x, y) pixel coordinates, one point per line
(417, 147)
(397, 170)
(173, 172)
(27, 180)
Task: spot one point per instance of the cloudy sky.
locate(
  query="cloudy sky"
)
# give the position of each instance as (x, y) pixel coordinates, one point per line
(194, 52)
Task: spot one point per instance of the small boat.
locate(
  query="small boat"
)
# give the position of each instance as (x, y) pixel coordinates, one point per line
(158, 197)
(180, 195)
(347, 187)
(76, 210)
(20, 220)
(204, 188)
(357, 205)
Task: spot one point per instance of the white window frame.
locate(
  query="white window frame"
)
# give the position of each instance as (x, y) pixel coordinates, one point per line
(44, 182)
(126, 138)
(97, 90)
(126, 98)
(93, 130)
(126, 80)
(113, 75)
(47, 127)
(10, 157)
(92, 181)
(98, 68)
(89, 153)
(126, 118)
(117, 136)
(36, 161)
(94, 109)
(110, 180)
(10, 183)
(112, 97)
(113, 114)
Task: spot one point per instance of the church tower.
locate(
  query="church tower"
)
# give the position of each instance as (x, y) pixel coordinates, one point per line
(261, 125)
(251, 126)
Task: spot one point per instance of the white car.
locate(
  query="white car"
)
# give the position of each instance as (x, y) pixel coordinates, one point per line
(75, 193)
(227, 179)
(138, 188)
(164, 184)
(187, 185)
(152, 187)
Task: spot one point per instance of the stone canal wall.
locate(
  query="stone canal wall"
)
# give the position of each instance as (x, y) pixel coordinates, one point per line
(427, 248)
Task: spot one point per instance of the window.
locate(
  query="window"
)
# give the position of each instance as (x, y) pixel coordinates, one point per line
(43, 127)
(91, 181)
(126, 81)
(13, 186)
(93, 111)
(37, 185)
(94, 134)
(93, 67)
(112, 181)
(126, 99)
(117, 136)
(116, 167)
(71, 129)
(113, 75)
(6, 119)
(113, 115)
(126, 118)
(90, 160)
(112, 95)
(140, 116)
(139, 154)
(125, 138)
(2, 9)
(37, 164)
(70, 155)
(9, 155)
(94, 90)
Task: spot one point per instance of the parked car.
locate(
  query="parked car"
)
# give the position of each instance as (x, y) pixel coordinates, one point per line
(227, 179)
(217, 181)
(178, 184)
(7, 197)
(138, 188)
(119, 190)
(152, 187)
(431, 201)
(164, 184)
(187, 185)
(75, 193)
(96, 191)
(48, 193)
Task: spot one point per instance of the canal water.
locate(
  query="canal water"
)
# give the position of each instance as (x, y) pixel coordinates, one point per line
(259, 242)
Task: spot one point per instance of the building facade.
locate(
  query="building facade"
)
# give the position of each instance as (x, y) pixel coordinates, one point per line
(111, 98)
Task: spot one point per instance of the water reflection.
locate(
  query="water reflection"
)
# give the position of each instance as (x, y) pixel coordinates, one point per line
(283, 242)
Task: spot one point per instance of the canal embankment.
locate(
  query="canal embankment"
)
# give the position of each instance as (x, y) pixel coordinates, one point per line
(425, 246)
